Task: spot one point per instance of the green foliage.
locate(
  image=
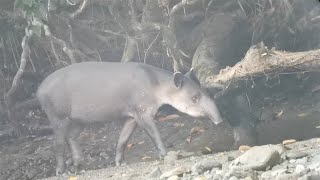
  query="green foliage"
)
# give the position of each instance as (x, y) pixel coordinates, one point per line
(37, 8)
(34, 11)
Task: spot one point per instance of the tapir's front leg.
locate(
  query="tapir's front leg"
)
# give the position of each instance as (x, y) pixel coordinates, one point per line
(126, 132)
(150, 127)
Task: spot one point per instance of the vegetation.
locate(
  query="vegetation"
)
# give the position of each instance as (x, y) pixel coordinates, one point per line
(38, 37)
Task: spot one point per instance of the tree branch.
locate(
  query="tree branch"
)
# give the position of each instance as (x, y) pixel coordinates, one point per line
(17, 79)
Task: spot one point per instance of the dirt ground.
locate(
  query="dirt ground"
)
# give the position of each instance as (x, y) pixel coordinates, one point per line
(32, 157)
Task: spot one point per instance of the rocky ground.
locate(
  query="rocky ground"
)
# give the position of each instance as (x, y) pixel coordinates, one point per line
(198, 149)
(290, 160)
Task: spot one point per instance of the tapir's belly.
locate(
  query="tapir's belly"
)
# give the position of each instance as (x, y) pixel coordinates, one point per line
(101, 103)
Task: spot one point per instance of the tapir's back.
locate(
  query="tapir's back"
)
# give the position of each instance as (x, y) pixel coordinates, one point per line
(96, 89)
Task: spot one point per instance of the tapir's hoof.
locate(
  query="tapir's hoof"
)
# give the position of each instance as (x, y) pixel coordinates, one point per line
(118, 164)
(59, 172)
(162, 154)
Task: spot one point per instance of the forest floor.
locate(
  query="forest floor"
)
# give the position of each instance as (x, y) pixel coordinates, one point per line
(193, 140)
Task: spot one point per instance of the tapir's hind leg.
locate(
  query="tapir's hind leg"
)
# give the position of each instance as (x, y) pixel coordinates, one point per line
(126, 132)
(74, 131)
(60, 128)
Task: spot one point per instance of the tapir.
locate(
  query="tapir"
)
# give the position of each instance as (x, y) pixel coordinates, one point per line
(90, 92)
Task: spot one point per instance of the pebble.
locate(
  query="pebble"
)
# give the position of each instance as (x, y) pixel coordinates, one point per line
(217, 177)
(176, 171)
(314, 166)
(200, 178)
(233, 178)
(241, 173)
(175, 177)
(314, 176)
(171, 157)
(248, 178)
(287, 177)
(259, 157)
(300, 169)
(302, 160)
(296, 154)
(205, 165)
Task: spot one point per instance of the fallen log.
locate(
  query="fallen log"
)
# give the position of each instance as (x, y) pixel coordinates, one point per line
(261, 61)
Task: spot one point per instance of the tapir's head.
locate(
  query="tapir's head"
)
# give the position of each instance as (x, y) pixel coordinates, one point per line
(187, 96)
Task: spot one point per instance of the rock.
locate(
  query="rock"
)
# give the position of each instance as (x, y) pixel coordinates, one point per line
(155, 173)
(315, 158)
(304, 178)
(241, 173)
(186, 177)
(208, 175)
(300, 169)
(233, 178)
(172, 153)
(171, 157)
(175, 177)
(303, 160)
(278, 171)
(248, 178)
(217, 177)
(273, 174)
(259, 157)
(176, 171)
(205, 165)
(287, 177)
(296, 155)
(185, 153)
(292, 161)
(200, 178)
(218, 172)
(314, 166)
(314, 176)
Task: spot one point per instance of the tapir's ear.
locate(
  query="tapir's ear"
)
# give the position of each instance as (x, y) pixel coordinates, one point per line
(193, 77)
(178, 79)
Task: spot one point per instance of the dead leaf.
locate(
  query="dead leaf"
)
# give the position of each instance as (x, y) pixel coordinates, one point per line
(220, 154)
(130, 145)
(196, 129)
(302, 115)
(279, 114)
(188, 140)
(72, 178)
(178, 125)
(208, 149)
(146, 157)
(289, 141)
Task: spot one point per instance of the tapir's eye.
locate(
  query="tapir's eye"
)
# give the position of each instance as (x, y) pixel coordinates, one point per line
(195, 98)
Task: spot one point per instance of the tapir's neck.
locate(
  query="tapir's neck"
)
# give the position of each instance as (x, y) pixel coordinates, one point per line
(164, 91)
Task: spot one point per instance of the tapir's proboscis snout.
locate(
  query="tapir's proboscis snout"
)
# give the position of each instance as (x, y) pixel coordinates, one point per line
(132, 93)
(191, 99)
